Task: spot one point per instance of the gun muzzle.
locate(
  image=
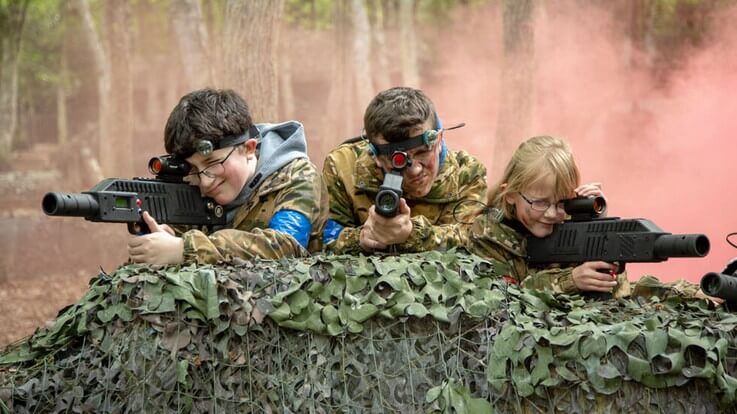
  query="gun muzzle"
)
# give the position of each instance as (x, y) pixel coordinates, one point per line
(70, 204)
(387, 199)
(720, 285)
(681, 245)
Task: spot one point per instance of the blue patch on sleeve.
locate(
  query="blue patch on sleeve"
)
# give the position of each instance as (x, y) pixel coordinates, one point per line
(293, 223)
(332, 231)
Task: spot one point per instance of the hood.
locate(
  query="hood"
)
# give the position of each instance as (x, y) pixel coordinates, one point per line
(278, 145)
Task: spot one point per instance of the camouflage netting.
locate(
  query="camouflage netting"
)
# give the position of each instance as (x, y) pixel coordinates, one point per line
(432, 332)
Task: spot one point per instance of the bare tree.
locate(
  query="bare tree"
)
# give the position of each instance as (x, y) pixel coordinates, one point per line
(251, 36)
(192, 38)
(361, 53)
(342, 123)
(381, 69)
(408, 42)
(101, 69)
(12, 17)
(116, 149)
(515, 109)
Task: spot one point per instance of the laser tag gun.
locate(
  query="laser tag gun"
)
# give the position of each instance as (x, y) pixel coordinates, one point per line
(723, 285)
(168, 198)
(387, 199)
(587, 237)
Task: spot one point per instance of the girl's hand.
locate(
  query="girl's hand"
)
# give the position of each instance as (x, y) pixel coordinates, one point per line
(595, 277)
(589, 190)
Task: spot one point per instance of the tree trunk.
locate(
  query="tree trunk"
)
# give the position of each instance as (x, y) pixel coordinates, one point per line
(381, 71)
(251, 36)
(408, 43)
(102, 72)
(192, 38)
(116, 147)
(361, 55)
(285, 82)
(516, 96)
(12, 17)
(342, 124)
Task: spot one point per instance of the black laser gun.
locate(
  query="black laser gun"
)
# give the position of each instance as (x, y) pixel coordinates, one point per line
(587, 237)
(723, 285)
(387, 199)
(168, 198)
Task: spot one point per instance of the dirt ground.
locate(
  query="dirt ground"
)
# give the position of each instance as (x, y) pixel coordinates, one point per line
(26, 304)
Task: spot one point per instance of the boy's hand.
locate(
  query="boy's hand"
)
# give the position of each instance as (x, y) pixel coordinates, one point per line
(378, 231)
(158, 247)
(595, 276)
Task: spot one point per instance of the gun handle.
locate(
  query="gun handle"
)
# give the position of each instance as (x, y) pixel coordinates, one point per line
(138, 228)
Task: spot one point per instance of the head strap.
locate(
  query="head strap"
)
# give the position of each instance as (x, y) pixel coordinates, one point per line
(205, 147)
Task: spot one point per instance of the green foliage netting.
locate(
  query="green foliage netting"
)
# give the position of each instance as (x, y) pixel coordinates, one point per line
(412, 333)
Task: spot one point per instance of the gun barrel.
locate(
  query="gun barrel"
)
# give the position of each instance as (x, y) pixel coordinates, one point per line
(681, 245)
(70, 204)
(720, 285)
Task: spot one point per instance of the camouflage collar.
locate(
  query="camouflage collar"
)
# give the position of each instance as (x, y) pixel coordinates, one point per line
(368, 178)
(507, 237)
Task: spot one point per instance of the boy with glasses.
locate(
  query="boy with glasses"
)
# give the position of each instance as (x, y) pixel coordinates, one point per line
(440, 187)
(275, 200)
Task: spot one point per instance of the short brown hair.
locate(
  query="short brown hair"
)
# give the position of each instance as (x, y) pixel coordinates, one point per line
(394, 112)
(205, 114)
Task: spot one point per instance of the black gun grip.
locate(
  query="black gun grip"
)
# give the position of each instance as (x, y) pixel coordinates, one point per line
(138, 228)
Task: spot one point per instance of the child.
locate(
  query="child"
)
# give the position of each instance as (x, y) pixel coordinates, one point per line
(274, 198)
(527, 201)
(440, 187)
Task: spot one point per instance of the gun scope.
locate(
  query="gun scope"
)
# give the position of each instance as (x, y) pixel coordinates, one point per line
(588, 207)
(70, 204)
(720, 285)
(168, 165)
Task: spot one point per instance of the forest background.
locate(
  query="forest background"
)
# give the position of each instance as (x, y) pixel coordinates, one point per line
(644, 90)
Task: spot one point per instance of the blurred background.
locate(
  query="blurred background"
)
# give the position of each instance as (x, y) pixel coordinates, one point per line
(644, 90)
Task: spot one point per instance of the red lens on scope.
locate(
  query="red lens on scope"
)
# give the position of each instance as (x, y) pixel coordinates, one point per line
(155, 165)
(399, 160)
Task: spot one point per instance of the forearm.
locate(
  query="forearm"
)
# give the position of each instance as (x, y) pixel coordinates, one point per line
(426, 236)
(347, 242)
(227, 244)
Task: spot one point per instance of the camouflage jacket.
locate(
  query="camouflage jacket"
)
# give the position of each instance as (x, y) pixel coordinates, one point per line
(297, 186)
(353, 179)
(493, 239)
(496, 240)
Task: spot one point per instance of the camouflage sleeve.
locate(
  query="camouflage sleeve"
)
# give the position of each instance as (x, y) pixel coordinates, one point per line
(451, 228)
(341, 208)
(426, 236)
(303, 195)
(226, 244)
(560, 280)
(341, 211)
(649, 286)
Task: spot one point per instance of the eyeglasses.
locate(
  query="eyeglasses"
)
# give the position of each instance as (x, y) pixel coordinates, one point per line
(212, 170)
(541, 205)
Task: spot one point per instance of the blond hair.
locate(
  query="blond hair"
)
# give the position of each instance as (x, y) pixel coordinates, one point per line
(536, 159)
